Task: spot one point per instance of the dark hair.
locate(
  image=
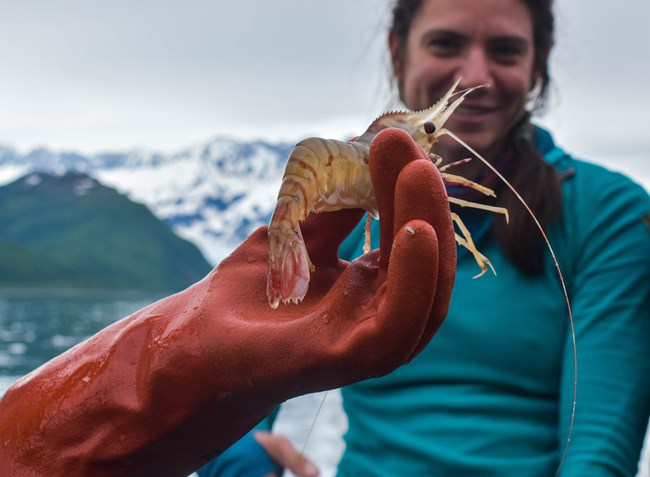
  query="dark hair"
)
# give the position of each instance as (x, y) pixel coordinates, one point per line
(537, 182)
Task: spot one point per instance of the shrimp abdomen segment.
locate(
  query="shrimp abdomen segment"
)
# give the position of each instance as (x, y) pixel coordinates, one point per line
(342, 178)
(320, 176)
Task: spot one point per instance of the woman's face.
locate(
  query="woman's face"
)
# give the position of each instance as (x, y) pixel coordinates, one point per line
(484, 42)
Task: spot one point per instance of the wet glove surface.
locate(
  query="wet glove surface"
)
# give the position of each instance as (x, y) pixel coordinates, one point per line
(165, 390)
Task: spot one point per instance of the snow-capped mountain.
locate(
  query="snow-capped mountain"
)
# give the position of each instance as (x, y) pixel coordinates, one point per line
(213, 194)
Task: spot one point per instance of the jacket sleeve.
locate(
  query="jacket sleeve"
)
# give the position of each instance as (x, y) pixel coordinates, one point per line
(606, 222)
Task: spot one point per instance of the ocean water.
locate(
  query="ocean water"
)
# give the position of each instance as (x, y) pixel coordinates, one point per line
(38, 325)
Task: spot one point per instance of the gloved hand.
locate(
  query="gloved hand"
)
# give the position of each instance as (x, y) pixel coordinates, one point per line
(168, 388)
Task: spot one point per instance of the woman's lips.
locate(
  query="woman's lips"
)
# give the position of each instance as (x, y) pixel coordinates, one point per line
(470, 116)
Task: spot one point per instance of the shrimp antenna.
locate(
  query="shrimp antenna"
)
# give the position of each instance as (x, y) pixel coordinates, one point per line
(313, 423)
(559, 271)
(466, 91)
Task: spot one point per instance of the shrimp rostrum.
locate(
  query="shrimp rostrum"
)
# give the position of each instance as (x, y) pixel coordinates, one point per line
(325, 175)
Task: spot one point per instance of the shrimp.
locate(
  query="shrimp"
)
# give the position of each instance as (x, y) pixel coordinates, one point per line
(325, 175)
(329, 175)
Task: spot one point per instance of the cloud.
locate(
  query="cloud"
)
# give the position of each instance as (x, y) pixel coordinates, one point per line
(168, 73)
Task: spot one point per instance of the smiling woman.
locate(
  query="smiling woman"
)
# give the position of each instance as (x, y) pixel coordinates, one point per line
(493, 393)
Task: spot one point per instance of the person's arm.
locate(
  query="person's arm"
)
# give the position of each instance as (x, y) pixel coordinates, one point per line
(165, 390)
(611, 305)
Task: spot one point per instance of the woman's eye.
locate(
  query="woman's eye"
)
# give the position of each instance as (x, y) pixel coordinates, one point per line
(443, 45)
(506, 53)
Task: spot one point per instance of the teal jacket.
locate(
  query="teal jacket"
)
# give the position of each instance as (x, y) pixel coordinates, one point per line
(493, 393)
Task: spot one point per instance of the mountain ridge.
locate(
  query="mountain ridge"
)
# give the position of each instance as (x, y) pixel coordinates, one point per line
(214, 193)
(70, 231)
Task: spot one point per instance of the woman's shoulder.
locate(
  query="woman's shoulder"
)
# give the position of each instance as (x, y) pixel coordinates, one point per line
(588, 184)
(605, 214)
(596, 186)
(602, 209)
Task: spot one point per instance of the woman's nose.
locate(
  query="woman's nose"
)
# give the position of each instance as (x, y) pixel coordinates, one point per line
(475, 69)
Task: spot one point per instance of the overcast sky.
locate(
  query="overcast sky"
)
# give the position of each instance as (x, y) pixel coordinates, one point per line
(94, 76)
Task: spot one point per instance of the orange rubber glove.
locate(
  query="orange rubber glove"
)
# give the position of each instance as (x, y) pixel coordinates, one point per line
(166, 389)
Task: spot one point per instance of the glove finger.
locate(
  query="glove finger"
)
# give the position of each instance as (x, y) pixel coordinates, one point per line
(420, 194)
(390, 151)
(410, 290)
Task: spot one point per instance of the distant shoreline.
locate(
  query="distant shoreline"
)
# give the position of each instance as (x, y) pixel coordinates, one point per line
(90, 292)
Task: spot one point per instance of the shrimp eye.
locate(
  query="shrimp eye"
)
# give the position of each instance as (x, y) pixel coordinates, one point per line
(429, 127)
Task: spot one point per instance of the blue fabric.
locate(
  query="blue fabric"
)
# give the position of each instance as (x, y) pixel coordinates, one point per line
(492, 395)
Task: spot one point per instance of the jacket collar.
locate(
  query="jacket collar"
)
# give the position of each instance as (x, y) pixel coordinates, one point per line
(545, 144)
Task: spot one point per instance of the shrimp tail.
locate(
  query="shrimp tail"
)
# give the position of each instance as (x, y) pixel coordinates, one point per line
(289, 263)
